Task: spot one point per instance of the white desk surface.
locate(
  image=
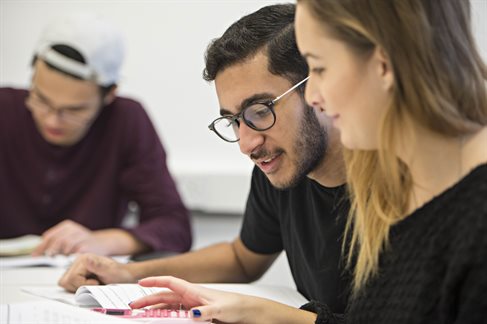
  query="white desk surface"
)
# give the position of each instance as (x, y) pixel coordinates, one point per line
(12, 279)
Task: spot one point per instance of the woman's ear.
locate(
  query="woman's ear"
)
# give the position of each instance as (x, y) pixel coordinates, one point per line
(384, 68)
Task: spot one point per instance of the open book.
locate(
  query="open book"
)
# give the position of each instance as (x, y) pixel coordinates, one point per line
(119, 295)
(22, 245)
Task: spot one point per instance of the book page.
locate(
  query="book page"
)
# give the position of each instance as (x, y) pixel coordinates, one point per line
(112, 296)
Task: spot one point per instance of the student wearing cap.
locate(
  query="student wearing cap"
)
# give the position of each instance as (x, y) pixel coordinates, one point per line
(73, 154)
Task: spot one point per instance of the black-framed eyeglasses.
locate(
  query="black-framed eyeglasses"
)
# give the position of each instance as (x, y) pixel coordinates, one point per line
(259, 116)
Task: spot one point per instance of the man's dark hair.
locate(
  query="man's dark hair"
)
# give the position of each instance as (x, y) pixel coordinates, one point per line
(75, 55)
(270, 29)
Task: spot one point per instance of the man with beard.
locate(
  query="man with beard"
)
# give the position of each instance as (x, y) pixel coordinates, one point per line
(297, 202)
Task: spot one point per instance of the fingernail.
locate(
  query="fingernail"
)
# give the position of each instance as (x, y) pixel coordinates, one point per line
(130, 302)
(196, 313)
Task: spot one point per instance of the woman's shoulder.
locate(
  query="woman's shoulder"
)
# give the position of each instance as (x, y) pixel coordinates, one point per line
(475, 150)
(466, 209)
(471, 191)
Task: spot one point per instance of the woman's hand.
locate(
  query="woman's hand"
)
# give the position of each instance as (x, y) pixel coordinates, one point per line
(210, 304)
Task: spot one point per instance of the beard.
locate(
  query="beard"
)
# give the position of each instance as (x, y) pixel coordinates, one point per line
(309, 148)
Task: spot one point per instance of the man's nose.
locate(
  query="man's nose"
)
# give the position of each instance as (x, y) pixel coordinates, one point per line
(53, 118)
(250, 139)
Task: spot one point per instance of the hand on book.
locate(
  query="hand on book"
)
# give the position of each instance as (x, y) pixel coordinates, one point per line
(69, 237)
(205, 303)
(63, 238)
(91, 269)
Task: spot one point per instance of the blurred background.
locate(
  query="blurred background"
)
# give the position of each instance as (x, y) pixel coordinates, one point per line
(166, 41)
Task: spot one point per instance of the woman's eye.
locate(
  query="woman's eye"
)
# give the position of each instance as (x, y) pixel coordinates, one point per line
(318, 71)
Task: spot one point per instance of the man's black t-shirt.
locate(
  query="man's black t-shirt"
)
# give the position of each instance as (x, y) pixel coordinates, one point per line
(307, 222)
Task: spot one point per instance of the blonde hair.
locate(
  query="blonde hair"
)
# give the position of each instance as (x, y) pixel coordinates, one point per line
(439, 82)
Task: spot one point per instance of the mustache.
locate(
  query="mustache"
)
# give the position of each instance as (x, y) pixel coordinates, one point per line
(262, 153)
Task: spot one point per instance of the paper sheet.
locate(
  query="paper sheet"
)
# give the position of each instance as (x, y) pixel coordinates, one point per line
(60, 261)
(282, 294)
(53, 293)
(59, 294)
(42, 312)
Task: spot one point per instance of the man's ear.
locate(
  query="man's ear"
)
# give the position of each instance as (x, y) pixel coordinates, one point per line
(110, 96)
(35, 63)
(384, 68)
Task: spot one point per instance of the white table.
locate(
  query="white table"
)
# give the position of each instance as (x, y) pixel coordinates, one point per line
(12, 279)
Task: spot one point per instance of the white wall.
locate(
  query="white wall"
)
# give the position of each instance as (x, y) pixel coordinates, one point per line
(165, 41)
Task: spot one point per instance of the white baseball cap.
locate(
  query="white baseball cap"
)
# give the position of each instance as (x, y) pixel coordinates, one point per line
(100, 44)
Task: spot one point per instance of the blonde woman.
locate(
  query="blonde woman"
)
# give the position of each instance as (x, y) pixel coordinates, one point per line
(403, 82)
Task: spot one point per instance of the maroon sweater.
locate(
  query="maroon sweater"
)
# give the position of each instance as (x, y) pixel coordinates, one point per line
(120, 159)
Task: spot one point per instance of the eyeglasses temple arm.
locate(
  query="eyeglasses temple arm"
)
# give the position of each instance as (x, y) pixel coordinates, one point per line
(291, 89)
